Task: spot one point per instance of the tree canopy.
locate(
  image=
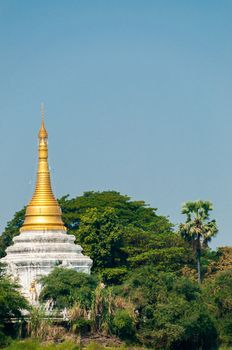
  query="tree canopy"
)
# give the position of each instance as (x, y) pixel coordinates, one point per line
(143, 287)
(117, 232)
(129, 212)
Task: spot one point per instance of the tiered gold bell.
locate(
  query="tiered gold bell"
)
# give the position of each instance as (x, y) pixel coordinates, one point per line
(43, 211)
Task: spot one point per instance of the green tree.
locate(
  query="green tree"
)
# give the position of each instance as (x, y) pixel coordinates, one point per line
(11, 230)
(166, 251)
(115, 249)
(135, 213)
(101, 236)
(11, 304)
(118, 233)
(221, 260)
(198, 229)
(137, 235)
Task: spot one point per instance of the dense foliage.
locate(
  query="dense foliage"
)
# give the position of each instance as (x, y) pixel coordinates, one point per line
(117, 233)
(143, 288)
(159, 310)
(128, 212)
(218, 296)
(171, 311)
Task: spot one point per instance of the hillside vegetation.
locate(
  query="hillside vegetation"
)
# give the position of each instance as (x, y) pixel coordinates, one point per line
(152, 285)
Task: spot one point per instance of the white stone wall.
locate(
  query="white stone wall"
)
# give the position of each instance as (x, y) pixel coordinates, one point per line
(35, 253)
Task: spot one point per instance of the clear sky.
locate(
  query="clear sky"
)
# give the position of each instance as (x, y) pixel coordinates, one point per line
(137, 97)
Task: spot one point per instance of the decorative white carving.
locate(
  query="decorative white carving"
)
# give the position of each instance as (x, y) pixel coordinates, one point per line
(33, 292)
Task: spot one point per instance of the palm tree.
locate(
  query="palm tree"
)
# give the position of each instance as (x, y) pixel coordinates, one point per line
(198, 229)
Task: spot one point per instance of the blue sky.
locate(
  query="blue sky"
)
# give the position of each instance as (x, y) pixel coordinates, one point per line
(137, 97)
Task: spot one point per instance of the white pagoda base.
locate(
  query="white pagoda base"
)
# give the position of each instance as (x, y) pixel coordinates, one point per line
(35, 253)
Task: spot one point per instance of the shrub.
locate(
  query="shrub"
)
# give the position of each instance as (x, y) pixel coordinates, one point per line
(123, 325)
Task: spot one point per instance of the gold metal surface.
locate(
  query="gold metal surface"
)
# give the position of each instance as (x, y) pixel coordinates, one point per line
(43, 211)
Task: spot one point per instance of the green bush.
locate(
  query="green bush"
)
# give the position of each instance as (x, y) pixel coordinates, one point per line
(123, 325)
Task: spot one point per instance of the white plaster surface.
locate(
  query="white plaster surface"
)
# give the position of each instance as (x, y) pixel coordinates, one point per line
(35, 253)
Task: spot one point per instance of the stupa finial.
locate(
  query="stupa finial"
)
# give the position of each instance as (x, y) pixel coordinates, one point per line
(42, 132)
(43, 212)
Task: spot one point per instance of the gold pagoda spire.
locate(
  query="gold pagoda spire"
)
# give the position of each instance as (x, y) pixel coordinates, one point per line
(43, 211)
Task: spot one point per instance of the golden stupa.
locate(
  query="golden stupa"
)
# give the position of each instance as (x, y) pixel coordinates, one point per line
(43, 211)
